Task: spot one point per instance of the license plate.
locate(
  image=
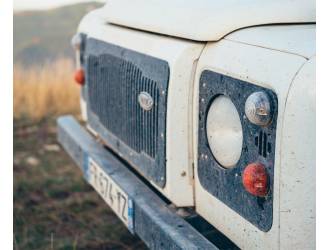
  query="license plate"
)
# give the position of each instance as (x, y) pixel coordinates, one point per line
(111, 192)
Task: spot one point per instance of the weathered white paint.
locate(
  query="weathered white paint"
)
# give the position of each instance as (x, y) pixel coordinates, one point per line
(180, 55)
(297, 179)
(83, 109)
(276, 70)
(294, 39)
(206, 20)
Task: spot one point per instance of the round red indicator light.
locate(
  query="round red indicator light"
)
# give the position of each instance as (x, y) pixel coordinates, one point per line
(79, 76)
(255, 179)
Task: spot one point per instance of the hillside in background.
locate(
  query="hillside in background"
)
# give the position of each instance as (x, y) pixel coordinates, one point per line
(42, 36)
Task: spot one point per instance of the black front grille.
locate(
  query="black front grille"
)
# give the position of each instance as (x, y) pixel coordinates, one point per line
(114, 86)
(115, 78)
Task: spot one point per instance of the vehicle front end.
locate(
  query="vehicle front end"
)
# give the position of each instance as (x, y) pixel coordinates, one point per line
(219, 123)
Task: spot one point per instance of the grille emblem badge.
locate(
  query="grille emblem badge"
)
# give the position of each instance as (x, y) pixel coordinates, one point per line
(146, 101)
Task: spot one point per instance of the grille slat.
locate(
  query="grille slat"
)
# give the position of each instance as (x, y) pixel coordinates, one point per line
(148, 123)
(129, 103)
(115, 101)
(115, 77)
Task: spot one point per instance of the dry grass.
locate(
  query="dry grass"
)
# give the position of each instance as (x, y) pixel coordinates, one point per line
(46, 91)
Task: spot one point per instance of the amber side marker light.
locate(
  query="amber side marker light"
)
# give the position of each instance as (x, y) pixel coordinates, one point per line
(79, 76)
(255, 179)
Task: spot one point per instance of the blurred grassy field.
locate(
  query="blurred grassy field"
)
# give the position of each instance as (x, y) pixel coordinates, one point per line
(54, 208)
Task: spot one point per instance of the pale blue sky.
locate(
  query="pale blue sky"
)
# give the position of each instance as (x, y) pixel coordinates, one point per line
(44, 4)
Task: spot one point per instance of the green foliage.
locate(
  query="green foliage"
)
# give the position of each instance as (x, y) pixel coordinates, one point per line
(41, 36)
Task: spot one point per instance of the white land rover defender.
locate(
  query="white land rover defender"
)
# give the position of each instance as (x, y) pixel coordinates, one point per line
(200, 117)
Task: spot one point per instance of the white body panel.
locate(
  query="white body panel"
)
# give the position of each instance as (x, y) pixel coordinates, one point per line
(293, 39)
(83, 109)
(180, 56)
(274, 69)
(205, 20)
(297, 180)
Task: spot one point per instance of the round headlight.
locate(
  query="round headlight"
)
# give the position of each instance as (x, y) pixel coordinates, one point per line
(258, 108)
(224, 131)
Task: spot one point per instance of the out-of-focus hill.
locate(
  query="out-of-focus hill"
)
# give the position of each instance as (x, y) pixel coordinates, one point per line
(41, 36)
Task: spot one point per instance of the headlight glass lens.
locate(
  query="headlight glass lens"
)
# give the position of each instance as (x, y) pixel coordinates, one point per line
(224, 131)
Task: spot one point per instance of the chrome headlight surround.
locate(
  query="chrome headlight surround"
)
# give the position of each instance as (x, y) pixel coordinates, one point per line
(224, 183)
